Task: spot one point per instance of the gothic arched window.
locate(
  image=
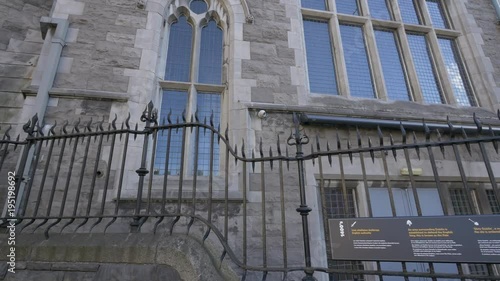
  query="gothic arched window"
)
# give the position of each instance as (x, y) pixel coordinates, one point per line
(193, 83)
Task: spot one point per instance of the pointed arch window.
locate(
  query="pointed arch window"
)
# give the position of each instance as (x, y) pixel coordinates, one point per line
(193, 83)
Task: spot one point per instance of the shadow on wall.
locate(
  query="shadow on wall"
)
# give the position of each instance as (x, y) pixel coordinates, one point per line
(98, 257)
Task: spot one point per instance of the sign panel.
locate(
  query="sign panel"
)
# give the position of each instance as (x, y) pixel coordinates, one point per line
(474, 239)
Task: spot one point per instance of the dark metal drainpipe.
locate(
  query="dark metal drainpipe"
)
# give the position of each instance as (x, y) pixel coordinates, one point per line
(316, 119)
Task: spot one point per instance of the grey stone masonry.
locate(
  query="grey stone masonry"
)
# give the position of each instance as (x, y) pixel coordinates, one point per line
(20, 46)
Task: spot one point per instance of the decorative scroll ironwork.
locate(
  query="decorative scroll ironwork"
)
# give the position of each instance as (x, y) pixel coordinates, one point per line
(87, 178)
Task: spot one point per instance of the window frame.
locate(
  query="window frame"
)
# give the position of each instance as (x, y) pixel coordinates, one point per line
(369, 25)
(193, 87)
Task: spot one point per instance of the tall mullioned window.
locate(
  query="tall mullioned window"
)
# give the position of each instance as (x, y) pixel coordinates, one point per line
(192, 85)
(389, 50)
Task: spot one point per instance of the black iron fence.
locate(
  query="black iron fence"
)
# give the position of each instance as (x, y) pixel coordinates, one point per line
(188, 176)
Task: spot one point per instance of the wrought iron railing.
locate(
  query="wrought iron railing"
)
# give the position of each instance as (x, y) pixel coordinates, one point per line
(84, 178)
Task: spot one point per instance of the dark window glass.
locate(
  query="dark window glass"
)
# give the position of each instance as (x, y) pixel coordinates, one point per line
(456, 72)
(314, 4)
(392, 66)
(494, 203)
(173, 103)
(459, 202)
(431, 91)
(198, 6)
(211, 54)
(179, 51)
(437, 14)
(208, 104)
(349, 7)
(408, 11)
(356, 59)
(379, 9)
(319, 57)
(336, 208)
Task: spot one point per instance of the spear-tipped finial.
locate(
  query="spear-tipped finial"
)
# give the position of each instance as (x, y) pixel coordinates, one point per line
(297, 136)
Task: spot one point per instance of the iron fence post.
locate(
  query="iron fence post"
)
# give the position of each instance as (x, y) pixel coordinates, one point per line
(149, 116)
(298, 138)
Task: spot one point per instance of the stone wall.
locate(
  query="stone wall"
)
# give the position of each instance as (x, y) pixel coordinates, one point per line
(20, 46)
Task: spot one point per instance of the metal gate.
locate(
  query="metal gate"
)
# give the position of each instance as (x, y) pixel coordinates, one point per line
(248, 199)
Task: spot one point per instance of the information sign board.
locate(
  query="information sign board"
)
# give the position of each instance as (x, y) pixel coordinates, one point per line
(474, 239)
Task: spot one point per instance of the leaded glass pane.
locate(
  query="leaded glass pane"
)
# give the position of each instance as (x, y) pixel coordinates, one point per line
(208, 104)
(211, 55)
(314, 4)
(456, 73)
(198, 6)
(379, 9)
(437, 14)
(392, 66)
(421, 55)
(356, 60)
(350, 7)
(319, 57)
(494, 203)
(173, 103)
(179, 51)
(408, 11)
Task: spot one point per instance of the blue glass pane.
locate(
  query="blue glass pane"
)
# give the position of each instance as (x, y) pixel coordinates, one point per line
(436, 12)
(349, 7)
(198, 6)
(314, 4)
(392, 66)
(174, 102)
(379, 9)
(431, 91)
(179, 51)
(408, 11)
(208, 104)
(356, 60)
(319, 57)
(456, 72)
(211, 55)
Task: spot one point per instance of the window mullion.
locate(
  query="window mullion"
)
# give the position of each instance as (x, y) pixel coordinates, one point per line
(374, 62)
(364, 9)
(422, 5)
(338, 53)
(195, 63)
(394, 6)
(330, 6)
(441, 69)
(410, 68)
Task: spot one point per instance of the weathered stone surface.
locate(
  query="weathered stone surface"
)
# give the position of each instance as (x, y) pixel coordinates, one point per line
(18, 46)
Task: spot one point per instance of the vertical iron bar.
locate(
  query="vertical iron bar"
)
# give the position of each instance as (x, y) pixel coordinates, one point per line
(298, 139)
(244, 209)
(463, 177)
(226, 195)
(31, 174)
(68, 179)
(82, 175)
(44, 177)
(151, 168)
(491, 175)
(437, 180)
(108, 171)
(141, 172)
(56, 177)
(122, 168)
(263, 210)
(283, 217)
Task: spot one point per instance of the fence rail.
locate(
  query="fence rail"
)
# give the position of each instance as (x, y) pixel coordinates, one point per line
(186, 175)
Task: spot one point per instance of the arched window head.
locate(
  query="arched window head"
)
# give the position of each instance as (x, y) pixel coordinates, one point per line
(210, 69)
(179, 51)
(198, 6)
(193, 84)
